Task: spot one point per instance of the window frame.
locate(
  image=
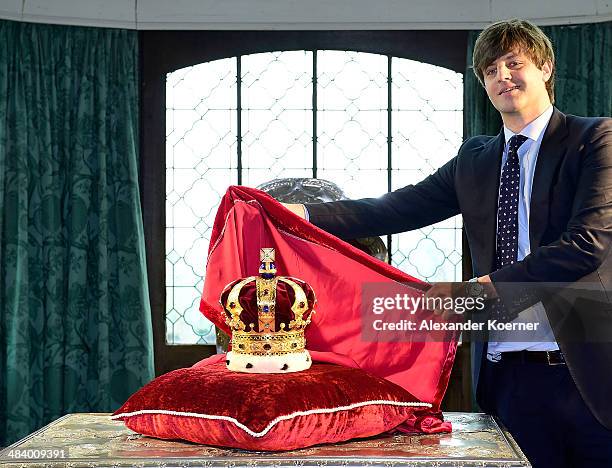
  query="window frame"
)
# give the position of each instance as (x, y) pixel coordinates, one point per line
(161, 52)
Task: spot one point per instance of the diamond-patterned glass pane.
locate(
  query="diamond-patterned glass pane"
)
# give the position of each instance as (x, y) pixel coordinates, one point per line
(201, 162)
(427, 116)
(276, 116)
(353, 114)
(352, 121)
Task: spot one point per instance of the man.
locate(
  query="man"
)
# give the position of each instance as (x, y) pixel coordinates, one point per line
(536, 202)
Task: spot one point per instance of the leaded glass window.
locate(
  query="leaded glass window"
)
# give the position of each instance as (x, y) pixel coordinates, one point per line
(368, 122)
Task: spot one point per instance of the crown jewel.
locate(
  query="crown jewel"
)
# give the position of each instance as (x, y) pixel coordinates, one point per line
(267, 316)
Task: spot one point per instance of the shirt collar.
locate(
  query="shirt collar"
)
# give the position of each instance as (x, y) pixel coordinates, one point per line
(535, 129)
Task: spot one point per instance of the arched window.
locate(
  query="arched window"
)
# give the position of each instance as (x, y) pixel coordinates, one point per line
(369, 122)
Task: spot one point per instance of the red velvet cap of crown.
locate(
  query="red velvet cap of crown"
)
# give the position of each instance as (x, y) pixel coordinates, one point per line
(285, 297)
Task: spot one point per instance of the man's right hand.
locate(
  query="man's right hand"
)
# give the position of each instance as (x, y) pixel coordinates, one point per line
(296, 208)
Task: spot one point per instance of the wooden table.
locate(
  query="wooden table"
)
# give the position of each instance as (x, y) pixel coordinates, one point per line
(94, 440)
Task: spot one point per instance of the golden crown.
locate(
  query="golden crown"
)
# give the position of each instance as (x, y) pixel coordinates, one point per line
(267, 316)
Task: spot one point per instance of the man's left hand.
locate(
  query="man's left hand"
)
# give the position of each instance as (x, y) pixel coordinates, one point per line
(455, 290)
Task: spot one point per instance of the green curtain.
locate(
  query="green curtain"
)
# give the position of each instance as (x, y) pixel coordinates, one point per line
(75, 323)
(582, 86)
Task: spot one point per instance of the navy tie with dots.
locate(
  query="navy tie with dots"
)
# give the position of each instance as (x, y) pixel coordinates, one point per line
(507, 210)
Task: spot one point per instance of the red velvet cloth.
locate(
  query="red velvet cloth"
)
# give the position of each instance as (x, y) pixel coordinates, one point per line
(324, 404)
(249, 219)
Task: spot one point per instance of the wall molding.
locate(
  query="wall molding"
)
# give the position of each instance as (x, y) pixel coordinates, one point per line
(300, 15)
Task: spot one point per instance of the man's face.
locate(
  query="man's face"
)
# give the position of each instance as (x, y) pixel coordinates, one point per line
(515, 85)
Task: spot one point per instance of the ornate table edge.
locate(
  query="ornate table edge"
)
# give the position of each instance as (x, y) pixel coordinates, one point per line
(257, 460)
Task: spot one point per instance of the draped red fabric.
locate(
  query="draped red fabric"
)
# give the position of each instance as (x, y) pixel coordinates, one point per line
(249, 219)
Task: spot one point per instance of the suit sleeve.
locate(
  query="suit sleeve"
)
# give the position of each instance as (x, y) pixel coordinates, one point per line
(411, 207)
(583, 247)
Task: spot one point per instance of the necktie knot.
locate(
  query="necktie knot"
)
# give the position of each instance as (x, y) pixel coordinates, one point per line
(515, 142)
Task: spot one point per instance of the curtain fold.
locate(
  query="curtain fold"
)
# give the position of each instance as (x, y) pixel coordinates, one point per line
(582, 86)
(75, 322)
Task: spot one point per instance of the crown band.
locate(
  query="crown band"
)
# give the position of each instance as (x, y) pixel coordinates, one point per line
(268, 345)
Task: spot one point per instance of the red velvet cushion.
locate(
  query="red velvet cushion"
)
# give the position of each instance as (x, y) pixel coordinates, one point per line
(214, 406)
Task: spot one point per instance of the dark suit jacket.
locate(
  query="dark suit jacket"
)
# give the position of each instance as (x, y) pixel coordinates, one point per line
(570, 232)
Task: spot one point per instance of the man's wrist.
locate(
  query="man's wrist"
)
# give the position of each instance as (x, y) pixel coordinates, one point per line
(474, 289)
(480, 286)
(489, 286)
(298, 209)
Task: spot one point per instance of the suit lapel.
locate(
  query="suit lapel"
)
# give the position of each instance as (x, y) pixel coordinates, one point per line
(488, 168)
(550, 154)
